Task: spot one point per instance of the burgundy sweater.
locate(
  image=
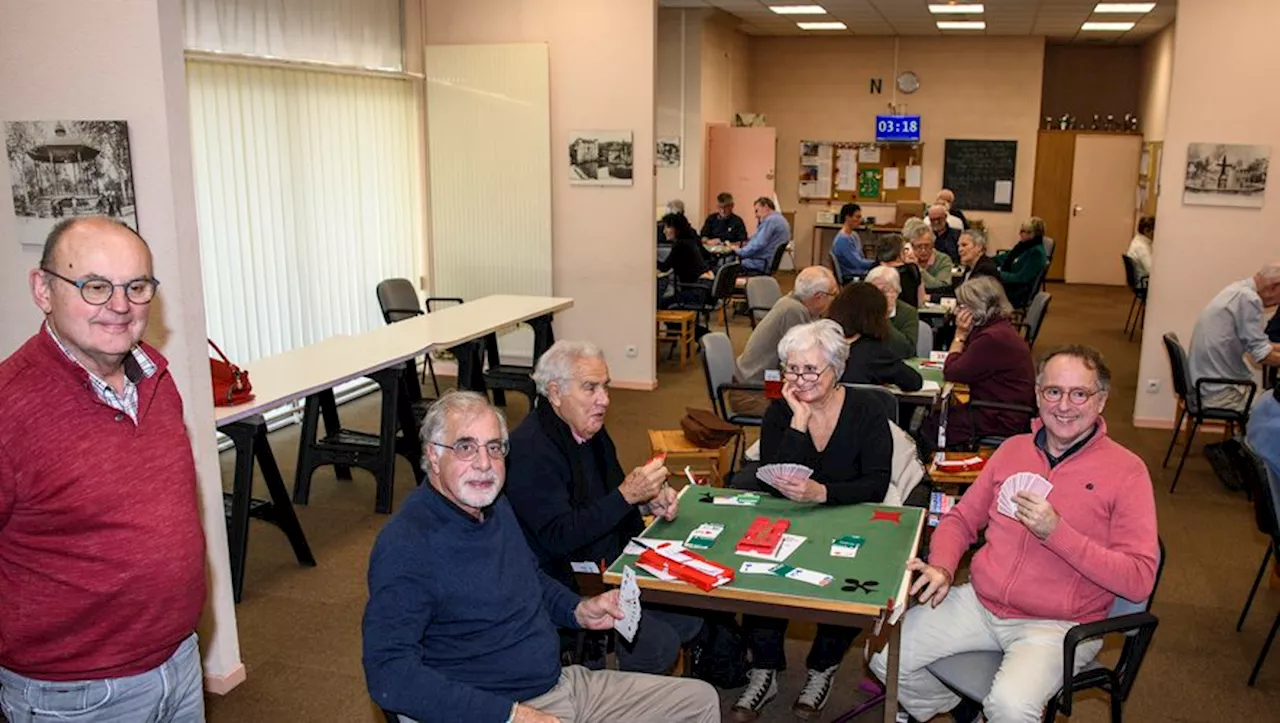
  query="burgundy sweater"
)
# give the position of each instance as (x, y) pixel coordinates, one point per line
(101, 548)
(996, 364)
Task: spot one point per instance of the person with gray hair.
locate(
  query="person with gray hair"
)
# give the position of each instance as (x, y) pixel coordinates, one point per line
(945, 238)
(814, 289)
(1228, 329)
(948, 197)
(461, 622)
(974, 261)
(843, 436)
(723, 225)
(935, 268)
(904, 319)
(574, 501)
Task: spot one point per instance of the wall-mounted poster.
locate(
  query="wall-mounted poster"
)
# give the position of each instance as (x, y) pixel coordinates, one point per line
(869, 182)
(667, 154)
(601, 158)
(1220, 174)
(62, 169)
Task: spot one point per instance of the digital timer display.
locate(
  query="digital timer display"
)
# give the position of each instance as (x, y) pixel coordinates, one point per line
(890, 128)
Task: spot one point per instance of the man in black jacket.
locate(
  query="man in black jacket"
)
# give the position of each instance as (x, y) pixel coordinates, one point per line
(573, 500)
(724, 225)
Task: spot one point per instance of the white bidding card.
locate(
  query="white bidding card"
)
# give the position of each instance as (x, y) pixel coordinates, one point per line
(629, 597)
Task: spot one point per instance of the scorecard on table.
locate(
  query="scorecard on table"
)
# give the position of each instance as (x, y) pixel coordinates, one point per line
(868, 579)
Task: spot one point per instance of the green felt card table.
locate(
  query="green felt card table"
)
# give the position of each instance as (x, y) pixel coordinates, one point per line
(866, 590)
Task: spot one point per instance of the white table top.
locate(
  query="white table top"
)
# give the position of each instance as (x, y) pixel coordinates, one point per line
(283, 378)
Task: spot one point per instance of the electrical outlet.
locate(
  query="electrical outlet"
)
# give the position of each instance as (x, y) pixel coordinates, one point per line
(631, 350)
(1153, 386)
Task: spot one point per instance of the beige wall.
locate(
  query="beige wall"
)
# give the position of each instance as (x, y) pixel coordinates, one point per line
(1217, 96)
(726, 86)
(123, 61)
(1086, 81)
(1153, 89)
(678, 96)
(602, 78)
(817, 89)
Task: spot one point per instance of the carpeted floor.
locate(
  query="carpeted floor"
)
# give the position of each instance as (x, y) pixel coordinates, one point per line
(300, 628)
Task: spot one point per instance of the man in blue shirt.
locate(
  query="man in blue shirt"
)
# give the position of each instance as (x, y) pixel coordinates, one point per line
(1264, 430)
(771, 233)
(847, 247)
(460, 626)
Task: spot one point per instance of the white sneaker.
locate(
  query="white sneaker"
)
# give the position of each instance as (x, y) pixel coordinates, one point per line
(762, 687)
(812, 698)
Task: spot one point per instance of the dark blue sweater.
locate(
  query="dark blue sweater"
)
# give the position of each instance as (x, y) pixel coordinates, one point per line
(460, 622)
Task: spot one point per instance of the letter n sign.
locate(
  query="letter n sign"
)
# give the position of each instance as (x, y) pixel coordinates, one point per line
(877, 86)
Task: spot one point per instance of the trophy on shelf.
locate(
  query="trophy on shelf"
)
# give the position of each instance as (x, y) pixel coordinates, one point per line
(1063, 122)
(1094, 126)
(1111, 122)
(1048, 123)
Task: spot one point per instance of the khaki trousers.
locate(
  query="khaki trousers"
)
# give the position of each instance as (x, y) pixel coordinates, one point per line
(608, 696)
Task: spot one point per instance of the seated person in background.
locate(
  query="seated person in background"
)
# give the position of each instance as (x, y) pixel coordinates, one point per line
(724, 225)
(573, 500)
(904, 320)
(1140, 247)
(1264, 430)
(1060, 562)
(675, 206)
(862, 311)
(974, 261)
(935, 268)
(1020, 266)
(814, 289)
(1230, 327)
(847, 247)
(686, 261)
(897, 254)
(772, 231)
(947, 197)
(461, 623)
(844, 437)
(945, 238)
(991, 357)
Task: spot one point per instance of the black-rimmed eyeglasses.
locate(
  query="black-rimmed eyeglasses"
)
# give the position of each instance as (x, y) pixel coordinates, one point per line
(467, 449)
(98, 291)
(807, 375)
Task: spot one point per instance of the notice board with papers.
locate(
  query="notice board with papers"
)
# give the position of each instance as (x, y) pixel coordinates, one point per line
(981, 173)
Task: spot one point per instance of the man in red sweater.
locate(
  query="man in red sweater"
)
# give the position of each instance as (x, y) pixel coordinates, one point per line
(1049, 562)
(101, 549)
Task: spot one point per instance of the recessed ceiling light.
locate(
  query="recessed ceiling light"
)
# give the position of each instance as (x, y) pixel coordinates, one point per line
(961, 25)
(823, 26)
(1124, 7)
(951, 9)
(798, 9)
(1108, 27)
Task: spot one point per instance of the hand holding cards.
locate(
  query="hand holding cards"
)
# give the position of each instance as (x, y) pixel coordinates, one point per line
(1020, 482)
(770, 473)
(629, 598)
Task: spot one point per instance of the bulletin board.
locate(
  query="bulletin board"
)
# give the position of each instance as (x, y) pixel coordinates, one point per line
(877, 173)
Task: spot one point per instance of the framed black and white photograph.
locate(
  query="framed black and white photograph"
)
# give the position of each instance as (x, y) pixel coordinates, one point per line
(601, 158)
(668, 152)
(62, 169)
(1220, 174)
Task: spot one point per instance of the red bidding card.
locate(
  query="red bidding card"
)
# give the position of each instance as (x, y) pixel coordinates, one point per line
(763, 536)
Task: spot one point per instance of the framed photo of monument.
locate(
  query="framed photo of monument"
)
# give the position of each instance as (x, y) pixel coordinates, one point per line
(1220, 174)
(63, 169)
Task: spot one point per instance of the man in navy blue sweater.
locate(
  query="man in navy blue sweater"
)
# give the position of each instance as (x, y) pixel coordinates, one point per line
(461, 623)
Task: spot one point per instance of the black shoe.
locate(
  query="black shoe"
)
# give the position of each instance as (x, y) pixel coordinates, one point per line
(967, 712)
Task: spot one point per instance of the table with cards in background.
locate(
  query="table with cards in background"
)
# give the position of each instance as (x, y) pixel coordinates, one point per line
(866, 589)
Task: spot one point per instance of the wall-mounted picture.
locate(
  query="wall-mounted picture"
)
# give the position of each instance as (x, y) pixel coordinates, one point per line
(1220, 174)
(62, 169)
(668, 152)
(601, 158)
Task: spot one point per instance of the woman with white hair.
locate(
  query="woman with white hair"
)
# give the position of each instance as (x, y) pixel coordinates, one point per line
(844, 437)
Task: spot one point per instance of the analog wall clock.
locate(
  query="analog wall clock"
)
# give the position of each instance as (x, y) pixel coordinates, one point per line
(908, 82)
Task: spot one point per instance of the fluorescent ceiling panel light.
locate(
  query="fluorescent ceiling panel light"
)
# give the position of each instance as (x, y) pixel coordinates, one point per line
(961, 25)
(1108, 27)
(1124, 7)
(956, 9)
(798, 9)
(823, 26)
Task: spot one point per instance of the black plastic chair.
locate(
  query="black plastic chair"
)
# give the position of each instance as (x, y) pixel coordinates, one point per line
(1138, 285)
(1190, 395)
(722, 290)
(718, 367)
(398, 300)
(971, 674)
(1034, 318)
(1265, 489)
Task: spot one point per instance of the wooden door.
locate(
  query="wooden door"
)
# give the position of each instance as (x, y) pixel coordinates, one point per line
(1104, 176)
(741, 161)
(1051, 197)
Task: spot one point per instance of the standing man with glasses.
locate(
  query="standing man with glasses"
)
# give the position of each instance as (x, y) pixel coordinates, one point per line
(1060, 558)
(101, 550)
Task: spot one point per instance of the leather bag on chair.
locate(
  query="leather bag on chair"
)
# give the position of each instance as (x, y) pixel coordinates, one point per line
(230, 383)
(707, 430)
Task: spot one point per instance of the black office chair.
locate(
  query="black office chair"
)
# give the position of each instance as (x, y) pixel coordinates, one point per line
(398, 300)
(1190, 396)
(1034, 318)
(1265, 489)
(1137, 285)
(722, 290)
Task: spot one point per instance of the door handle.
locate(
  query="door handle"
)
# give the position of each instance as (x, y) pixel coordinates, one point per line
(1076, 209)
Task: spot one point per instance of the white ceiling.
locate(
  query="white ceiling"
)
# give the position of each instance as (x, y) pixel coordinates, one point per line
(1059, 20)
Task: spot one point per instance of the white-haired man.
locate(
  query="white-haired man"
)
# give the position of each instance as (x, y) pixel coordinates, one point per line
(461, 622)
(573, 500)
(945, 238)
(809, 299)
(1230, 327)
(904, 319)
(935, 268)
(948, 197)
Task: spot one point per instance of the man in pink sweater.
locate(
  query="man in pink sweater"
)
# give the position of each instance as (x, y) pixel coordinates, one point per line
(1048, 562)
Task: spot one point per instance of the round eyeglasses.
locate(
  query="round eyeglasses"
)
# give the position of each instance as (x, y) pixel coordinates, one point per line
(98, 292)
(1077, 396)
(467, 449)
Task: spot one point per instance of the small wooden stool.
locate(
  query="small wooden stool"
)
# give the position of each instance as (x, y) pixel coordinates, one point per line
(677, 327)
(675, 444)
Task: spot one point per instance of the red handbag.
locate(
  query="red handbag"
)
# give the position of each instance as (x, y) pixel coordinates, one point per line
(230, 383)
